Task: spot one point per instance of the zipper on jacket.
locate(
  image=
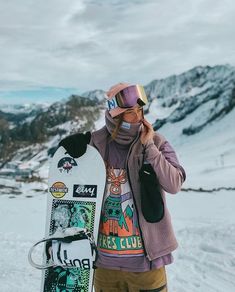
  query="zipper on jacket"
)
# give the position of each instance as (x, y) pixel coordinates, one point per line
(141, 233)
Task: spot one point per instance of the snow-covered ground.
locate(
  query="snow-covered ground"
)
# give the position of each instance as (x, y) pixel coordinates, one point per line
(208, 156)
(22, 223)
(205, 229)
(204, 222)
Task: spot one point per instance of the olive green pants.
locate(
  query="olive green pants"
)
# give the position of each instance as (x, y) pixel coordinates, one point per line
(119, 281)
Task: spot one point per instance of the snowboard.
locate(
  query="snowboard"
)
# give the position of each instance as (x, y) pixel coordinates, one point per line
(75, 194)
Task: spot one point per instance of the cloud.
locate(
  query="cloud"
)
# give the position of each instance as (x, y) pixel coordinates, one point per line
(93, 44)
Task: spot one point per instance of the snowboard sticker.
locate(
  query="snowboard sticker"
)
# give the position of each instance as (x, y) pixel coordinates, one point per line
(75, 194)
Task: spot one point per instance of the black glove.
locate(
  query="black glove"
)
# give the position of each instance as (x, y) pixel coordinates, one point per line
(76, 144)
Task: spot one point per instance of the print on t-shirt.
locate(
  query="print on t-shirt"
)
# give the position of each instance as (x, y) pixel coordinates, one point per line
(119, 232)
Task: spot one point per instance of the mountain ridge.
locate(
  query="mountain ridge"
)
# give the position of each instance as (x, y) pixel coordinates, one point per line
(203, 92)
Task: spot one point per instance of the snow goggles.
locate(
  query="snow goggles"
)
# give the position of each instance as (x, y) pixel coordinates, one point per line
(128, 97)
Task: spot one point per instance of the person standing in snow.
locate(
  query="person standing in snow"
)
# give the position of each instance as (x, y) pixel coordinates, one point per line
(132, 252)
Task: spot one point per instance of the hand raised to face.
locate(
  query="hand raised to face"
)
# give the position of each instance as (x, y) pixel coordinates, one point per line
(147, 133)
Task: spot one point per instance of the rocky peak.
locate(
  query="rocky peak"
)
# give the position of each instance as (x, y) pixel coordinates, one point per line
(210, 88)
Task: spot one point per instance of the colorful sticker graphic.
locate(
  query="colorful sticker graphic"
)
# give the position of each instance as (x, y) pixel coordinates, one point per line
(66, 164)
(65, 214)
(85, 191)
(119, 230)
(58, 189)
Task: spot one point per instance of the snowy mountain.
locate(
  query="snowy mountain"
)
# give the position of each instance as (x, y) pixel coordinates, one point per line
(22, 132)
(209, 91)
(195, 112)
(14, 115)
(97, 95)
(25, 108)
(194, 108)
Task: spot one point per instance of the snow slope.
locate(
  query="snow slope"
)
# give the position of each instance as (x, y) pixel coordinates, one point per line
(204, 222)
(205, 228)
(204, 225)
(207, 156)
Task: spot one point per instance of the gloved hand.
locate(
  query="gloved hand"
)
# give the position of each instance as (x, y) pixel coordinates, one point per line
(76, 144)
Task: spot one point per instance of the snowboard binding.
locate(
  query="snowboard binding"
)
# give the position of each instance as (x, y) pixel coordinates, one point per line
(62, 249)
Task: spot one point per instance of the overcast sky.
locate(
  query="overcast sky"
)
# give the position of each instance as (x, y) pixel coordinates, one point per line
(76, 46)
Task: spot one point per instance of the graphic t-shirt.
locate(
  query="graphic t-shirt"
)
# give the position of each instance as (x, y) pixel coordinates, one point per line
(120, 244)
(119, 232)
